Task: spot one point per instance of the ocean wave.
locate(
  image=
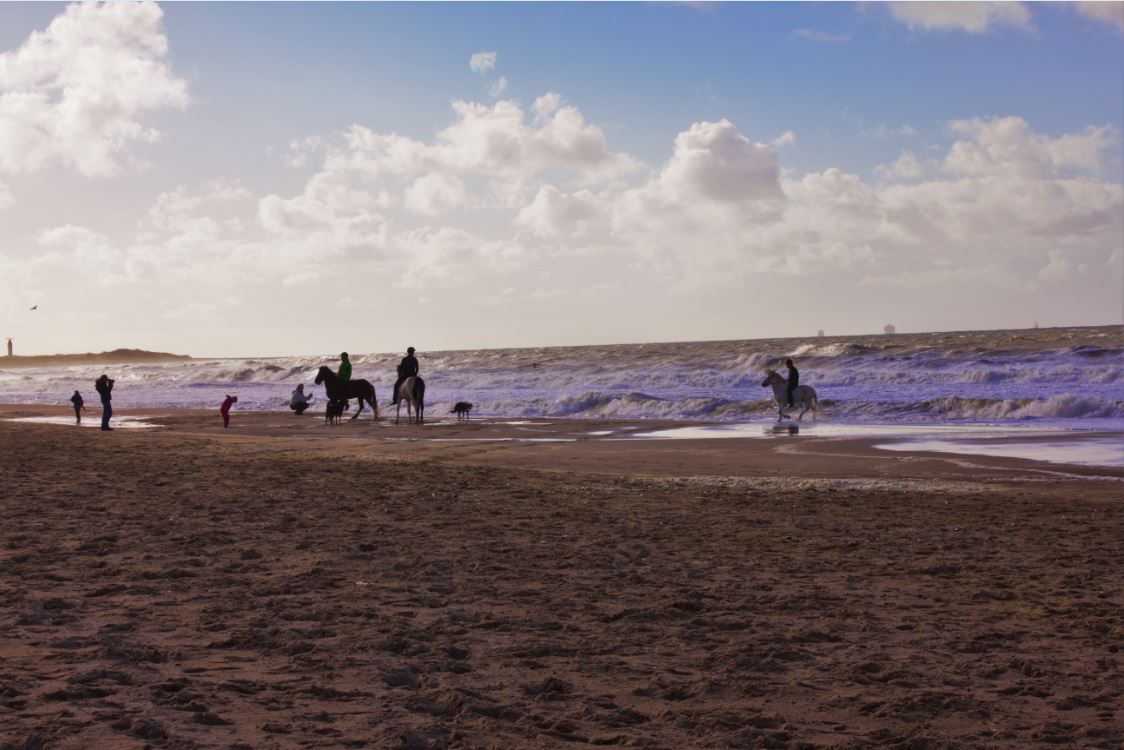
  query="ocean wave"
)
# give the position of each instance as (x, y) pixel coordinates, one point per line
(986, 376)
(1061, 406)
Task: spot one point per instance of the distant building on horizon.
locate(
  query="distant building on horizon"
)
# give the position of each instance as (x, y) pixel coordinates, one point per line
(819, 334)
(9, 347)
(889, 328)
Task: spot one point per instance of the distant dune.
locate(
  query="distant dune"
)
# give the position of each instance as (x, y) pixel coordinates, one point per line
(116, 356)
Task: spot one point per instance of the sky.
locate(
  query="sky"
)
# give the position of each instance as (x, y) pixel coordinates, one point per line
(256, 179)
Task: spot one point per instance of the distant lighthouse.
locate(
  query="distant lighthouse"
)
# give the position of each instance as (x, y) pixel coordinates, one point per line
(9, 347)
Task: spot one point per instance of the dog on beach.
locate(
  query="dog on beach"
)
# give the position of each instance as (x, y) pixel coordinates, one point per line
(334, 411)
(461, 409)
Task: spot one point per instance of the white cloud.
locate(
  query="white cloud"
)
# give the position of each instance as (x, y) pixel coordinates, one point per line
(482, 62)
(301, 152)
(76, 94)
(434, 193)
(81, 251)
(553, 213)
(497, 201)
(907, 167)
(491, 140)
(972, 17)
(438, 257)
(784, 139)
(713, 160)
(1111, 12)
(178, 209)
(497, 89)
(546, 105)
(1006, 145)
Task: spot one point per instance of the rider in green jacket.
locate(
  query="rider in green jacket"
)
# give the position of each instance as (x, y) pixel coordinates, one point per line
(345, 368)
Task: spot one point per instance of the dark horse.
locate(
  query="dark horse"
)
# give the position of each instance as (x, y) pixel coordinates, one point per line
(339, 390)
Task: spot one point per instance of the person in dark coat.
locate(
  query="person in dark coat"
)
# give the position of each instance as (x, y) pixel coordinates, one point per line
(224, 410)
(793, 379)
(407, 368)
(79, 405)
(104, 387)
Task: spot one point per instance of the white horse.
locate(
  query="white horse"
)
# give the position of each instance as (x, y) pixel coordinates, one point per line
(803, 395)
(412, 391)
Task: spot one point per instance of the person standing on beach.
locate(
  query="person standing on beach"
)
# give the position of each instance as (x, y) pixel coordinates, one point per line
(407, 368)
(298, 402)
(104, 387)
(793, 379)
(79, 405)
(224, 410)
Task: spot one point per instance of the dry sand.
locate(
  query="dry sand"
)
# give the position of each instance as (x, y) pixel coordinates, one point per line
(283, 584)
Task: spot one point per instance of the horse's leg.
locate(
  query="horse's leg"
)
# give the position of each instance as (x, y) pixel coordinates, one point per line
(398, 411)
(358, 411)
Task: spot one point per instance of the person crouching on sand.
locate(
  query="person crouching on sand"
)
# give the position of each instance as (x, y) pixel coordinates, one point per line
(224, 410)
(79, 405)
(299, 401)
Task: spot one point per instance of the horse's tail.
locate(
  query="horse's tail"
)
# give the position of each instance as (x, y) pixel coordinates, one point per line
(374, 402)
(815, 406)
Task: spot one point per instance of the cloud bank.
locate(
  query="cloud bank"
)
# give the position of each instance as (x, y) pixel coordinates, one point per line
(77, 93)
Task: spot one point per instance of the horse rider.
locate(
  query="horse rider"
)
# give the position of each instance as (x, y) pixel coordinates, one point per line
(793, 379)
(344, 374)
(407, 368)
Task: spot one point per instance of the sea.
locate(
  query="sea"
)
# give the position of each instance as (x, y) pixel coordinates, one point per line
(1069, 378)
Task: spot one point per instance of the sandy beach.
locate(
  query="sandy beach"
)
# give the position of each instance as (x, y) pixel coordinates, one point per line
(546, 584)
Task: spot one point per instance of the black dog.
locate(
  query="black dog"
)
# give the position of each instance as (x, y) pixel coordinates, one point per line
(461, 409)
(334, 411)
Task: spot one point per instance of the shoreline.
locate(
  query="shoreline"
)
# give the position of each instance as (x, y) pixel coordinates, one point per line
(621, 445)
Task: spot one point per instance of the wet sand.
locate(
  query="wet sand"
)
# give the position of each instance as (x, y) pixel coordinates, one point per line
(534, 585)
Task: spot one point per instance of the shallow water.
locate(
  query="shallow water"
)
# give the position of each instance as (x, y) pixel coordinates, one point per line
(1082, 451)
(128, 423)
(838, 430)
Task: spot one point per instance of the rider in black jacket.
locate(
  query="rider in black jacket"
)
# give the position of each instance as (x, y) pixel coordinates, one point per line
(407, 368)
(793, 379)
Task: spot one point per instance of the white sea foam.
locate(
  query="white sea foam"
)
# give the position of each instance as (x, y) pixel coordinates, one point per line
(1001, 376)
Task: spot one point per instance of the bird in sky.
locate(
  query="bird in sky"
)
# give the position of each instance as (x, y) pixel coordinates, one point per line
(35, 307)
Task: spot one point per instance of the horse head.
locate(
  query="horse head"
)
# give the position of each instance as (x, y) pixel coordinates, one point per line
(770, 378)
(322, 373)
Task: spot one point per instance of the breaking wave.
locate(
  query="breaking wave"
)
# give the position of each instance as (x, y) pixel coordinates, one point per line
(1007, 376)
